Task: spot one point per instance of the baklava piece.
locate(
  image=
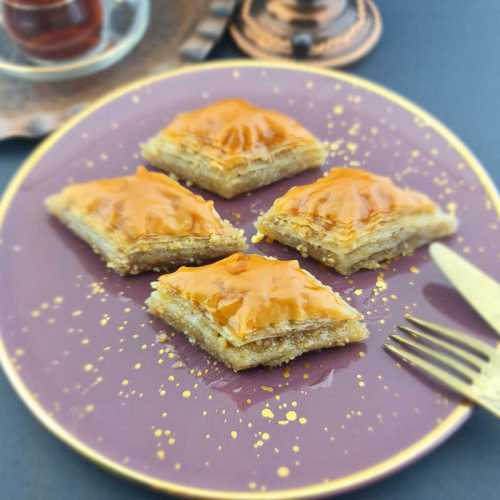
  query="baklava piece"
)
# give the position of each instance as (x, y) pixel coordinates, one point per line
(145, 222)
(351, 219)
(249, 310)
(232, 147)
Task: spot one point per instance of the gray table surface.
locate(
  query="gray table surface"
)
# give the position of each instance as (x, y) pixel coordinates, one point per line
(442, 55)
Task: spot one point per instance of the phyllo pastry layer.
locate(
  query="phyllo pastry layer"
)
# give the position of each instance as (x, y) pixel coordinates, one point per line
(351, 219)
(145, 221)
(249, 310)
(232, 146)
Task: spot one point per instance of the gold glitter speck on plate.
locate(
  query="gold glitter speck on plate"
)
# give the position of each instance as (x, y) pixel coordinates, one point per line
(267, 413)
(338, 109)
(283, 471)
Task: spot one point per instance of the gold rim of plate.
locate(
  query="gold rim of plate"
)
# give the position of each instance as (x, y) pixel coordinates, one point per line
(378, 470)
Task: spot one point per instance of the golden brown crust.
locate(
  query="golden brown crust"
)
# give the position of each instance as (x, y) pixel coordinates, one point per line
(236, 128)
(140, 205)
(351, 219)
(145, 222)
(252, 297)
(231, 147)
(352, 197)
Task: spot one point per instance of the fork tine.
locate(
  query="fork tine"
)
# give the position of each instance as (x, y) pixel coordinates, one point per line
(450, 333)
(460, 368)
(438, 373)
(461, 353)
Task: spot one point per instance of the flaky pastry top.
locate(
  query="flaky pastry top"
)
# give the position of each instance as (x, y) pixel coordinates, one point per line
(235, 126)
(352, 197)
(248, 293)
(141, 205)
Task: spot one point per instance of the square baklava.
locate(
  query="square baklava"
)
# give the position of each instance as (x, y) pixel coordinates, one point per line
(145, 221)
(231, 147)
(250, 310)
(352, 219)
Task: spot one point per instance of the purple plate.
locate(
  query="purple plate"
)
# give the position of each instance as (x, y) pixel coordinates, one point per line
(81, 350)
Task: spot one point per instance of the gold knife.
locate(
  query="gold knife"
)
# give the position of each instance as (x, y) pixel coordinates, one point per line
(476, 287)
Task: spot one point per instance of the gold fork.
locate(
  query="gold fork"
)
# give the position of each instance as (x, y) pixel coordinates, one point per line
(473, 371)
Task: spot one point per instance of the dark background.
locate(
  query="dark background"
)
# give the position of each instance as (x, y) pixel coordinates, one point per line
(442, 55)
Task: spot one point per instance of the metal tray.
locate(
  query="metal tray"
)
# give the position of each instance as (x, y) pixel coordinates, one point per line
(179, 32)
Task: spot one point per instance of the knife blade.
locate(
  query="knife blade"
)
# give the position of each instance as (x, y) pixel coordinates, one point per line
(475, 286)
